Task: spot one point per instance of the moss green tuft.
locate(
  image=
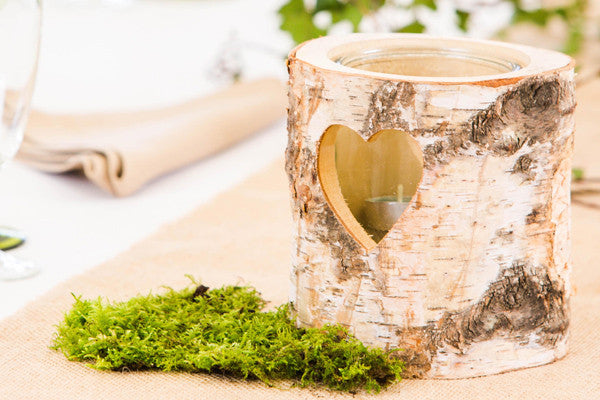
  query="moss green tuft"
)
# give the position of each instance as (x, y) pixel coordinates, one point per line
(220, 331)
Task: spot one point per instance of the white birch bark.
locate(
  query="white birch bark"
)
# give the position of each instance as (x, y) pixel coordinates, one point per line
(473, 279)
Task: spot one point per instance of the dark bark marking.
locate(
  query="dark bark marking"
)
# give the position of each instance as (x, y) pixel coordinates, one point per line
(314, 97)
(342, 245)
(385, 108)
(516, 304)
(441, 130)
(505, 235)
(299, 169)
(292, 150)
(530, 113)
(312, 207)
(522, 300)
(537, 214)
(416, 363)
(523, 164)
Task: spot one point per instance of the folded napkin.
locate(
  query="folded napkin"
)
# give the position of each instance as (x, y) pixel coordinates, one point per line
(120, 152)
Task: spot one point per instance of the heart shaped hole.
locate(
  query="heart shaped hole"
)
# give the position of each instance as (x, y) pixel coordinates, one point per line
(369, 184)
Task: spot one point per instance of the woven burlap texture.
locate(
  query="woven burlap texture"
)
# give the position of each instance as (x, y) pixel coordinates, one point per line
(244, 237)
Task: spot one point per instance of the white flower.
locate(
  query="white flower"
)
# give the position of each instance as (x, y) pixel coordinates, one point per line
(322, 19)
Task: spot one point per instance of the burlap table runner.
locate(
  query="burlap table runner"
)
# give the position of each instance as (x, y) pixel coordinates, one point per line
(243, 236)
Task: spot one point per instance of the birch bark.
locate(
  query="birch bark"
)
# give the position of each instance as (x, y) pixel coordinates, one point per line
(473, 279)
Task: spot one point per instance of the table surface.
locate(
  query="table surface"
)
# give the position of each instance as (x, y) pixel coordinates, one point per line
(102, 55)
(154, 53)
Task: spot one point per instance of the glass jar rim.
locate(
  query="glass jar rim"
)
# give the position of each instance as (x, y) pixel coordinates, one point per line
(397, 55)
(509, 61)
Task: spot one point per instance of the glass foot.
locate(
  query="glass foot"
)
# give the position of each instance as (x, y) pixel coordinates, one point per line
(12, 268)
(10, 238)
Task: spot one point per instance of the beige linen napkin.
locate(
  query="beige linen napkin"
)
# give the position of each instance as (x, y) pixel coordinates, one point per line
(120, 152)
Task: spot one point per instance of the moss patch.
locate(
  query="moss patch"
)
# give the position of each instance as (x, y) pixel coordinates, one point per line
(220, 331)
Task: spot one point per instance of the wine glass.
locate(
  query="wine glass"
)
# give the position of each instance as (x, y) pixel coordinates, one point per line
(20, 22)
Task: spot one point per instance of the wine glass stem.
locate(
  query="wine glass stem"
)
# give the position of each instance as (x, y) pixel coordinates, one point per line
(13, 268)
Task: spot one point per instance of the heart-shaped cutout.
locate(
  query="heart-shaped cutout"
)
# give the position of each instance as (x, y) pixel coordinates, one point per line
(369, 184)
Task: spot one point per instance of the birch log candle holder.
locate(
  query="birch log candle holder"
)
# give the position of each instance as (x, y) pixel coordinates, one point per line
(430, 187)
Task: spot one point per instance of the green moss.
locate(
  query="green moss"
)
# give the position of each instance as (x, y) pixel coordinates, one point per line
(220, 331)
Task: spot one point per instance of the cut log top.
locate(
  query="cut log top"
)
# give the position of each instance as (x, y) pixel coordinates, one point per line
(500, 63)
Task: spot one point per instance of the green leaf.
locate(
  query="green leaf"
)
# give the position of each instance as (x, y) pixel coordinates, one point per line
(328, 5)
(427, 3)
(463, 19)
(349, 13)
(574, 16)
(577, 174)
(539, 17)
(10, 238)
(415, 27)
(574, 40)
(367, 6)
(298, 22)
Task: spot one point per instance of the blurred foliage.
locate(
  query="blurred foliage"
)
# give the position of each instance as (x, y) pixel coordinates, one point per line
(298, 17)
(577, 174)
(298, 20)
(572, 14)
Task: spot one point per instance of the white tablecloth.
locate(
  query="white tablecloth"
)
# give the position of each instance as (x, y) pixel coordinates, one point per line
(109, 56)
